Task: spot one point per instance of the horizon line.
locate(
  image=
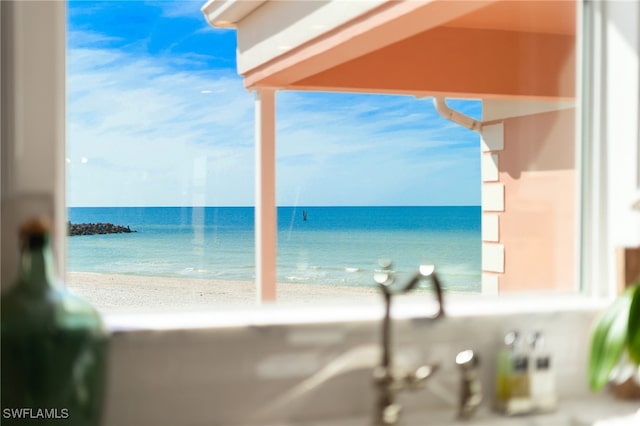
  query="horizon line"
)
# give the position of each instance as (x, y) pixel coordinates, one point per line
(287, 206)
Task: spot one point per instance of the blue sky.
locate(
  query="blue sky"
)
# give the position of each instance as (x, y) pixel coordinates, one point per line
(157, 116)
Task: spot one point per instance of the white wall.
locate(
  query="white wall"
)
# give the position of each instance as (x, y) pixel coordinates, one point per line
(32, 164)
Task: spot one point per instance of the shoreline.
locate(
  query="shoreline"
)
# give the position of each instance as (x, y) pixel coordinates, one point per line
(117, 293)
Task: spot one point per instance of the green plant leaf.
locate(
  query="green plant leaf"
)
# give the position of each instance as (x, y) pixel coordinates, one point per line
(633, 328)
(608, 341)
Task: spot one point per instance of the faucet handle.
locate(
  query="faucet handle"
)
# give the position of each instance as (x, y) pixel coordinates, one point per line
(467, 360)
(470, 386)
(416, 379)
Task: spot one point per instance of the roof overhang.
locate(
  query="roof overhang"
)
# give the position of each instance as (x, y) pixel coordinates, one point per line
(227, 13)
(482, 48)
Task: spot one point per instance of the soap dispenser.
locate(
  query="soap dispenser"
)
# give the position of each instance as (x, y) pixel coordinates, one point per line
(513, 384)
(542, 375)
(503, 367)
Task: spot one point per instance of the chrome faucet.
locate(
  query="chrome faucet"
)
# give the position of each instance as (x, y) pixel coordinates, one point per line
(388, 381)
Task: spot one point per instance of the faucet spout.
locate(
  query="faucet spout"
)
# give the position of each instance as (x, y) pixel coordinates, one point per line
(388, 382)
(428, 271)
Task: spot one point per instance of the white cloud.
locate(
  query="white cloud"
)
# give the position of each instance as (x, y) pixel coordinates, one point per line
(350, 150)
(179, 9)
(89, 38)
(145, 127)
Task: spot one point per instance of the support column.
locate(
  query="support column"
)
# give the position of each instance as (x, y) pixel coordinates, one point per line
(265, 196)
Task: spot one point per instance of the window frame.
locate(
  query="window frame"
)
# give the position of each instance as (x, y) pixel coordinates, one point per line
(586, 224)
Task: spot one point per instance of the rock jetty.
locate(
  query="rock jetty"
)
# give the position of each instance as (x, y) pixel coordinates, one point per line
(97, 228)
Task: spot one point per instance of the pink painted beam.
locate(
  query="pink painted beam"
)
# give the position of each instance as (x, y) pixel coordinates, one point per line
(265, 196)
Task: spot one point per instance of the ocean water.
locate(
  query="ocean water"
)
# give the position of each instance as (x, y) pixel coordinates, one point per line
(334, 245)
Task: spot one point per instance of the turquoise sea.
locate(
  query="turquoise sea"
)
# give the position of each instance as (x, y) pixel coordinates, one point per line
(334, 245)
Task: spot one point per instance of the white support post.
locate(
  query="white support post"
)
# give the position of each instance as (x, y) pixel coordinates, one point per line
(265, 196)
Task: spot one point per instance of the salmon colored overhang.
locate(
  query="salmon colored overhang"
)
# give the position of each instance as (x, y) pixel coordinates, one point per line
(478, 49)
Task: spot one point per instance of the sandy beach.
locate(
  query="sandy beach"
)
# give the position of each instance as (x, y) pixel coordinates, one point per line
(112, 293)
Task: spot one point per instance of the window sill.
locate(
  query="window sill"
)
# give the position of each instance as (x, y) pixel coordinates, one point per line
(465, 306)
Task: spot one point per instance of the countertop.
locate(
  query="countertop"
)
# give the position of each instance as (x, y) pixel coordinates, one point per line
(600, 410)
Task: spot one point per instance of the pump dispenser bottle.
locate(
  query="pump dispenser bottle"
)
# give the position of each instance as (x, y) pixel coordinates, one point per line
(513, 381)
(542, 375)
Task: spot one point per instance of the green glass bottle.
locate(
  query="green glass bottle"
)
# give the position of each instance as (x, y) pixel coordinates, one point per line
(53, 344)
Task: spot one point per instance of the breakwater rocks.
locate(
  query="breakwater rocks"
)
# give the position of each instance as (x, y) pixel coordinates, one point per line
(97, 228)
